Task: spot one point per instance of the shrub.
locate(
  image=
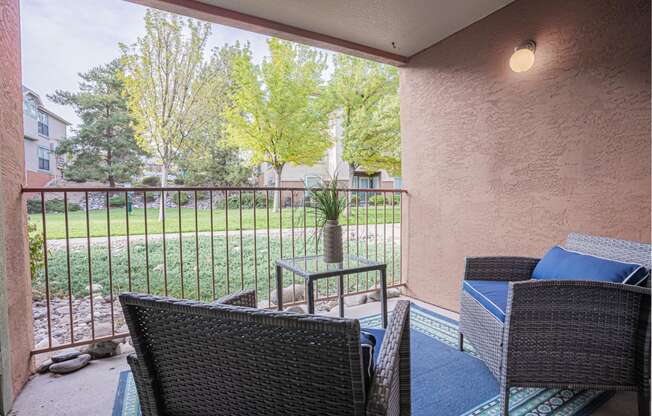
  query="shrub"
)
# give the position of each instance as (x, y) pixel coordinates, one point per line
(376, 200)
(35, 250)
(154, 181)
(34, 206)
(57, 206)
(248, 200)
(180, 198)
(117, 201)
(179, 181)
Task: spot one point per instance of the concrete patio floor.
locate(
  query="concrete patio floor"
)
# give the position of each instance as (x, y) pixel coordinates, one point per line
(91, 391)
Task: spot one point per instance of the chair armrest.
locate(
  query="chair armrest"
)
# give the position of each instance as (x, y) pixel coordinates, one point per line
(390, 387)
(570, 334)
(145, 387)
(245, 298)
(499, 268)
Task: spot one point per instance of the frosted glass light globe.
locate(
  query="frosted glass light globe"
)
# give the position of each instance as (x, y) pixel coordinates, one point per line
(523, 58)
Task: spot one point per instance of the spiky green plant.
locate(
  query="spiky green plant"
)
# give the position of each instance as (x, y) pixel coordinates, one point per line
(328, 203)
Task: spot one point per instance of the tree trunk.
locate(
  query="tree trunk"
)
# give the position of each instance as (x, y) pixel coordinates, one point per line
(164, 184)
(350, 194)
(277, 183)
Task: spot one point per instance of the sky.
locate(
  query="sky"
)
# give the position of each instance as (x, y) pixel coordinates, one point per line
(65, 37)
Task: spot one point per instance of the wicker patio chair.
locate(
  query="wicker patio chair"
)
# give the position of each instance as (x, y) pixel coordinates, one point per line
(563, 333)
(228, 358)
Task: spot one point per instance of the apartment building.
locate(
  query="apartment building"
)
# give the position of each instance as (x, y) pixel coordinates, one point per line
(43, 130)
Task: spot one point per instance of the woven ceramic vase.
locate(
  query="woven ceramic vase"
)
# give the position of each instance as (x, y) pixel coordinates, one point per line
(332, 242)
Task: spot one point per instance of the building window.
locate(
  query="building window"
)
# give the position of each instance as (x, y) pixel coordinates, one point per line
(312, 182)
(43, 124)
(43, 158)
(30, 108)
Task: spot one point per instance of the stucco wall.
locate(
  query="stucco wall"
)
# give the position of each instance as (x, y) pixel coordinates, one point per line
(15, 286)
(500, 163)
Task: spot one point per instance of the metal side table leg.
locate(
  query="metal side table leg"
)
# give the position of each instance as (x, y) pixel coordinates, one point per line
(340, 294)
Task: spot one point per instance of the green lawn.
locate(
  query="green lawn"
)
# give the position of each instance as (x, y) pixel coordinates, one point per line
(55, 223)
(255, 270)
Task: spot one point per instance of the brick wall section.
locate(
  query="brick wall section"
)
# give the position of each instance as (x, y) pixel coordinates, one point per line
(499, 163)
(38, 179)
(15, 280)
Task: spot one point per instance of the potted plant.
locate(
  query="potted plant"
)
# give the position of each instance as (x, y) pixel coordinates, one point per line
(329, 207)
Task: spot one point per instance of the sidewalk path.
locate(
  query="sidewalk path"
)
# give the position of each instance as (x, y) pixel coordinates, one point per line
(352, 231)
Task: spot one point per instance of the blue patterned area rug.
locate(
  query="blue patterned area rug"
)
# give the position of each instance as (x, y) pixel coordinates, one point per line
(445, 381)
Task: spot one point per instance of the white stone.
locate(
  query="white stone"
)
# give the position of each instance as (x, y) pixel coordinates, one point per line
(44, 343)
(355, 300)
(102, 329)
(392, 292)
(296, 309)
(291, 294)
(97, 288)
(124, 348)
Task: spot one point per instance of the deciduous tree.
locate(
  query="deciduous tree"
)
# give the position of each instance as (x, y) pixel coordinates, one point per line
(209, 159)
(169, 83)
(365, 94)
(274, 111)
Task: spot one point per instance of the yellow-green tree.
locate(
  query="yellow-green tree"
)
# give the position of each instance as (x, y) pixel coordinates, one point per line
(275, 113)
(365, 95)
(169, 84)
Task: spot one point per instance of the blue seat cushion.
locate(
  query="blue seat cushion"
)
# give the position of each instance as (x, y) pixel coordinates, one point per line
(562, 264)
(491, 294)
(371, 339)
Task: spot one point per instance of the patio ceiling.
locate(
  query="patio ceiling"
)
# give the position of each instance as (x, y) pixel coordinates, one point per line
(389, 31)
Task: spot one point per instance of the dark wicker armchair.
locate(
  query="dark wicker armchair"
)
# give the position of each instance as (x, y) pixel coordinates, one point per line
(227, 358)
(563, 334)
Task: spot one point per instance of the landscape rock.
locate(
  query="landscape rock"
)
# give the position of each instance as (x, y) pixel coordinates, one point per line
(44, 343)
(392, 292)
(290, 295)
(124, 348)
(355, 300)
(44, 366)
(65, 355)
(102, 329)
(69, 366)
(296, 309)
(102, 349)
(97, 288)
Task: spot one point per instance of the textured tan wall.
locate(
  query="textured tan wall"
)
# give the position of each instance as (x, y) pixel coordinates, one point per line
(15, 299)
(499, 163)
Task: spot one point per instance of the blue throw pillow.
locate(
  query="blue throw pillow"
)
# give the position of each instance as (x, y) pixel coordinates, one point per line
(370, 342)
(562, 264)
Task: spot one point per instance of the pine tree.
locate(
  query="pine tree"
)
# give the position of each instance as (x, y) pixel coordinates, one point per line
(103, 148)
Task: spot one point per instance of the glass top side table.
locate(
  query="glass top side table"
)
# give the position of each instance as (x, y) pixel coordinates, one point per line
(313, 268)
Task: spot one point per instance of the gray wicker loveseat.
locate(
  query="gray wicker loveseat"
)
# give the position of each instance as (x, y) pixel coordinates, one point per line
(228, 358)
(575, 334)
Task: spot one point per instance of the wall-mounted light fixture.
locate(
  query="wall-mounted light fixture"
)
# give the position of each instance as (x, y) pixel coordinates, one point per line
(523, 57)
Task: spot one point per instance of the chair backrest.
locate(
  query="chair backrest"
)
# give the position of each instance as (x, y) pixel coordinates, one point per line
(621, 250)
(231, 360)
